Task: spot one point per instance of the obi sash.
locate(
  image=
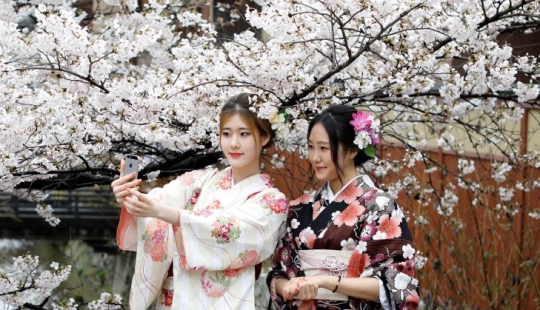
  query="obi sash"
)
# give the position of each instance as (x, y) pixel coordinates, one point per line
(325, 262)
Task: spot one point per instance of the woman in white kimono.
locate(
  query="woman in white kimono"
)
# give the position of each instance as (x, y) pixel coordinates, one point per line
(347, 245)
(199, 238)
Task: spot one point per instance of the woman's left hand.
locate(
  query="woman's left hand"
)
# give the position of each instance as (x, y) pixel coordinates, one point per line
(300, 288)
(139, 204)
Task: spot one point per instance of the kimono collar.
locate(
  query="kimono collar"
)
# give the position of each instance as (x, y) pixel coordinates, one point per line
(256, 180)
(330, 196)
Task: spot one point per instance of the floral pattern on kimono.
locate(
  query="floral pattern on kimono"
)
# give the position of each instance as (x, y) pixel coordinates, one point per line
(361, 219)
(224, 230)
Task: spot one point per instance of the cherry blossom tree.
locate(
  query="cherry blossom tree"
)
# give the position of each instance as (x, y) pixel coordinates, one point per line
(150, 79)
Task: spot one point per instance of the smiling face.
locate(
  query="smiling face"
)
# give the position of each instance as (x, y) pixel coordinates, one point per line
(320, 157)
(242, 146)
(320, 154)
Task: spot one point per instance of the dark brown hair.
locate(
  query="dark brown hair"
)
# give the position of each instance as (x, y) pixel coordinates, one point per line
(239, 105)
(335, 121)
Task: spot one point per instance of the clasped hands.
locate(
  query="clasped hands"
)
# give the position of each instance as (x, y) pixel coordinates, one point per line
(300, 288)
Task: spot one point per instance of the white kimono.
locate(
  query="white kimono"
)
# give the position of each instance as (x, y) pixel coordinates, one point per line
(224, 232)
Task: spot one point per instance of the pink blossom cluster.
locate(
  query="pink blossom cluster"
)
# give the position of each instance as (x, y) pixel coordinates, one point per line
(366, 128)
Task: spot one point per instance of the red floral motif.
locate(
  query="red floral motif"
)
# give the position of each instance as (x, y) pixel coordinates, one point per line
(276, 205)
(226, 182)
(368, 231)
(316, 209)
(241, 262)
(267, 181)
(194, 198)
(389, 226)
(307, 236)
(357, 264)
(233, 273)
(305, 198)
(370, 194)
(350, 215)
(167, 297)
(350, 193)
(411, 302)
(407, 267)
(250, 257)
(225, 230)
(155, 240)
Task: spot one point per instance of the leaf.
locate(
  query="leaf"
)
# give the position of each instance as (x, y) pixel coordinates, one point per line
(370, 151)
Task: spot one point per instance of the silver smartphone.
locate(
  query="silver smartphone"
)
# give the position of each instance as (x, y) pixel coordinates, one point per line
(131, 164)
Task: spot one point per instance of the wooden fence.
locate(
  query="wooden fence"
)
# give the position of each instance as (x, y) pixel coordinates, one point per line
(479, 257)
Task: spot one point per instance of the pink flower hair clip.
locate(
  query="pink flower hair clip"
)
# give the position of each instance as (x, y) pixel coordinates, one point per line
(366, 128)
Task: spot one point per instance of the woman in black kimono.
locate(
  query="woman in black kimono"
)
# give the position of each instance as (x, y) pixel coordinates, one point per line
(347, 245)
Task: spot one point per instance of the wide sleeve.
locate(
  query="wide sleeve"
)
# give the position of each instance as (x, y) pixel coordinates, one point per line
(234, 237)
(180, 193)
(283, 266)
(152, 238)
(385, 251)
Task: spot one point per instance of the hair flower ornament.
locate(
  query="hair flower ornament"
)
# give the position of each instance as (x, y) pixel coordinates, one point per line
(366, 128)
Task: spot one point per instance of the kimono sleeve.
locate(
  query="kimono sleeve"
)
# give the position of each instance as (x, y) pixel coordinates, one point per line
(386, 252)
(180, 193)
(234, 237)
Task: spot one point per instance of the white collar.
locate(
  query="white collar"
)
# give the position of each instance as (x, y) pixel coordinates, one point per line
(331, 195)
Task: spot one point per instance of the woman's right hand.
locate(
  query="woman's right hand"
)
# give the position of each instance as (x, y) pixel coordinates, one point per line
(300, 288)
(121, 185)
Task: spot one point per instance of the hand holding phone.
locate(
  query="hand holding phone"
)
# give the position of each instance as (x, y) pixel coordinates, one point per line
(131, 164)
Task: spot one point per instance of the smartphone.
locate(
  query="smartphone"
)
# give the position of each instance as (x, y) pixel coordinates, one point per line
(131, 164)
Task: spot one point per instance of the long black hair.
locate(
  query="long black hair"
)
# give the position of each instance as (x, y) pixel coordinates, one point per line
(335, 120)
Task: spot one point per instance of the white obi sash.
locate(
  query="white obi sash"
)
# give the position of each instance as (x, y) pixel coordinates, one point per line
(325, 262)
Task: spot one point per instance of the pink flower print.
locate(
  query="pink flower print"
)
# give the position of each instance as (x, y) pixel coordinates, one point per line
(350, 193)
(305, 198)
(411, 302)
(235, 268)
(368, 231)
(233, 273)
(216, 204)
(203, 212)
(308, 237)
(278, 205)
(155, 224)
(284, 255)
(389, 226)
(317, 209)
(370, 194)
(186, 178)
(357, 264)
(206, 285)
(210, 287)
(225, 230)
(167, 297)
(195, 196)
(291, 273)
(250, 258)
(350, 215)
(226, 182)
(155, 245)
(267, 181)
(361, 121)
(407, 267)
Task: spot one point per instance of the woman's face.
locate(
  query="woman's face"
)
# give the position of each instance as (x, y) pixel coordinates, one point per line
(320, 154)
(240, 147)
(320, 157)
